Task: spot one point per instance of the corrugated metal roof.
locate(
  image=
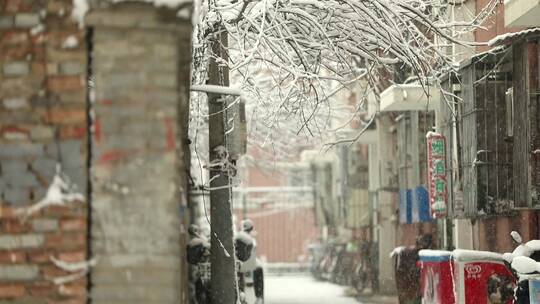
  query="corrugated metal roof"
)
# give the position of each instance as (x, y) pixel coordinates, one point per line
(511, 37)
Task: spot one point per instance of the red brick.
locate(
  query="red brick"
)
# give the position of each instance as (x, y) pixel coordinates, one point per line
(12, 257)
(18, 52)
(72, 257)
(11, 291)
(7, 212)
(51, 272)
(14, 38)
(40, 256)
(66, 116)
(38, 53)
(39, 68)
(42, 289)
(76, 224)
(81, 300)
(57, 211)
(18, 6)
(65, 83)
(70, 210)
(66, 241)
(57, 6)
(15, 129)
(74, 289)
(39, 38)
(13, 225)
(73, 132)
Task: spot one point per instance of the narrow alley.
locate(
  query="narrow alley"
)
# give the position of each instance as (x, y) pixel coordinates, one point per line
(297, 288)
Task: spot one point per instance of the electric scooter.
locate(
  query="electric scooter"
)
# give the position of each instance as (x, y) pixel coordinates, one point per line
(523, 262)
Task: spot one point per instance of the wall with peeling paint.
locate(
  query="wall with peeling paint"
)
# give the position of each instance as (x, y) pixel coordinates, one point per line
(138, 166)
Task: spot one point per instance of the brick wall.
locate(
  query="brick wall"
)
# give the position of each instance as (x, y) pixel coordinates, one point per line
(42, 93)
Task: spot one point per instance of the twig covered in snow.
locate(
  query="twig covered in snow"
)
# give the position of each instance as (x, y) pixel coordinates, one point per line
(81, 269)
(290, 56)
(73, 267)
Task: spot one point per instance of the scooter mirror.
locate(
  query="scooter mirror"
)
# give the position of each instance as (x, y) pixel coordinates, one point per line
(525, 265)
(517, 237)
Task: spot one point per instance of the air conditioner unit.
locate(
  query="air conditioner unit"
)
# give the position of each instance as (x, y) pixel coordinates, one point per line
(410, 97)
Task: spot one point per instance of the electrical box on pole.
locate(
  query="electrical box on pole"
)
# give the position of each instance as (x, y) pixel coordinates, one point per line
(236, 134)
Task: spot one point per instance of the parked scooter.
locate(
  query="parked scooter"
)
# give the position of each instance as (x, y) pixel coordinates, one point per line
(198, 255)
(250, 269)
(523, 261)
(243, 244)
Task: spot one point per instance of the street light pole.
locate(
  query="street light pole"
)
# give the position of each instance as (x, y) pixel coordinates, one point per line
(222, 259)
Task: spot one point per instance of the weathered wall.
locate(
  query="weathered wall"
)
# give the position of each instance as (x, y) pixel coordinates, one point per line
(137, 160)
(141, 66)
(42, 93)
(493, 234)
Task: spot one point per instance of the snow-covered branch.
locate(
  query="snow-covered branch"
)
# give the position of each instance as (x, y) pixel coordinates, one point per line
(80, 269)
(290, 56)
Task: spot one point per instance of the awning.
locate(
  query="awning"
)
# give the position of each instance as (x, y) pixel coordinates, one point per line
(511, 37)
(410, 97)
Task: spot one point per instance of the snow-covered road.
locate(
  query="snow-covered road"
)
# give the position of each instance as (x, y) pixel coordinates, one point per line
(298, 289)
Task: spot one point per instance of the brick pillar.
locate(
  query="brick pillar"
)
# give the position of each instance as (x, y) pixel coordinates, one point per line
(42, 90)
(141, 64)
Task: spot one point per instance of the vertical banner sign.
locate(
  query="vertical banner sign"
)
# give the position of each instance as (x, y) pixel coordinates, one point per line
(438, 195)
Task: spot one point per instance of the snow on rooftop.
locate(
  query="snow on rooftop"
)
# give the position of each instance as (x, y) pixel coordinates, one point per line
(509, 37)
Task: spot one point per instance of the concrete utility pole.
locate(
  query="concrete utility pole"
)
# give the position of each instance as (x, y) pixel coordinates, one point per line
(222, 259)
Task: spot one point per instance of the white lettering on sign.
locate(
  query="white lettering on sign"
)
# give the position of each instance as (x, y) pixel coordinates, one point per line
(473, 271)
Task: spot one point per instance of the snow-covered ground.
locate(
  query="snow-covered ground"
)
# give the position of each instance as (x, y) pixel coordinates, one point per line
(298, 289)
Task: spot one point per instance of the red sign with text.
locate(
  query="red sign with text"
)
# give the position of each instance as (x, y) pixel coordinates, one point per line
(438, 196)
